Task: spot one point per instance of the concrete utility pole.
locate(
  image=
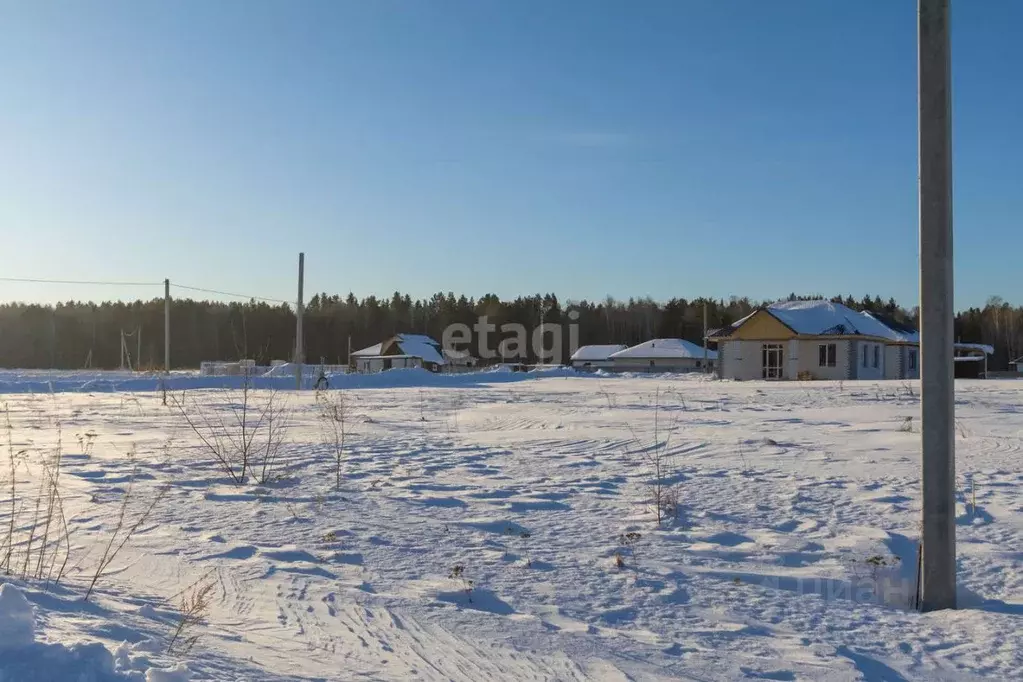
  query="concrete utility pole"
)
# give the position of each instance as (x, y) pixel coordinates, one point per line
(166, 326)
(543, 312)
(706, 366)
(937, 391)
(299, 308)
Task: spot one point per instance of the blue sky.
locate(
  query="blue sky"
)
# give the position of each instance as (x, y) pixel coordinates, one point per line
(662, 148)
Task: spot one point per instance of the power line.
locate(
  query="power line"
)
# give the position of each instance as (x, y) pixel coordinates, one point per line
(76, 281)
(31, 280)
(228, 293)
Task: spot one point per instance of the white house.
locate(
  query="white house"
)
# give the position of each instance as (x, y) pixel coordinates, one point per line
(595, 357)
(662, 355)
(817, 340)
(401, 351)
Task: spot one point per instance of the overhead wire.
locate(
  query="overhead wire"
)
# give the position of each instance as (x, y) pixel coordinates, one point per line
(228, 293)
(77, 281)
(36, 280)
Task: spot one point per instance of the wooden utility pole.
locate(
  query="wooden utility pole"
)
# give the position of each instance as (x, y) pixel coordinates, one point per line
(937, 390)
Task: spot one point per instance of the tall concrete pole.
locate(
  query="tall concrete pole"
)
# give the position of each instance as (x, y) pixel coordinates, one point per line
(299, 309)
(706, 367)
(166, 326)
(938, 574)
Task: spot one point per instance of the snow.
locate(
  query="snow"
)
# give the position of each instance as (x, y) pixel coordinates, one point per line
(591, 353)
(990, 350)
(23, 659)
(791, 558)
(819, 317)
(421, 346)
(665, 348)
(178, 673)
(16, 381)
(17, 622)
(370, 351)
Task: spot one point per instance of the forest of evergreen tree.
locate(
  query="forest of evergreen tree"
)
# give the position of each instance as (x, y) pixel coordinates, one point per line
(76, 335)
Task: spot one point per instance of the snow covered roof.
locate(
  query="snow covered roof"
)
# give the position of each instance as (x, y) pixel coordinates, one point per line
(596, 352)
(824, 318)
(414, 345)
(990, 350)
(421, 346)
(665, 348)
(371, 351)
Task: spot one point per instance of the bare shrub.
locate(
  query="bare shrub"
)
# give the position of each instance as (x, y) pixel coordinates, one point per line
(335, 415)
(246, 438)
(611, 402)
(458, 573)
(665, 490)
(628, 541)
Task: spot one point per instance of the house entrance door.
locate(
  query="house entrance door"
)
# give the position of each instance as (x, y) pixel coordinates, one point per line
(773, 360)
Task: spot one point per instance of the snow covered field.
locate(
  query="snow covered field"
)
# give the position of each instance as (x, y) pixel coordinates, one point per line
(501, 527)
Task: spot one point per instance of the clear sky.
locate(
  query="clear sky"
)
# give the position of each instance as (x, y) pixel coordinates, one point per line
(662, 148)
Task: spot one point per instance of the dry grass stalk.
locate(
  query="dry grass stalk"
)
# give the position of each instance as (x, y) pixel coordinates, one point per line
(114, 547)
(196, 601)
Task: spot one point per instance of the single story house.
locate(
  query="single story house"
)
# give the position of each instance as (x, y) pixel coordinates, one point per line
(971, 360)
(816, 340)
(401, 351)
(595, 357)
(662, 355)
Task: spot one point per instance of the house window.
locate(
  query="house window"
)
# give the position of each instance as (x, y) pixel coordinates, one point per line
(912, 359)
(865, 355)
(877, 356)
(827, 355)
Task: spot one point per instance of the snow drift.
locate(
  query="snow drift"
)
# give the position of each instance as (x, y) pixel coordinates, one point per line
(23, 659)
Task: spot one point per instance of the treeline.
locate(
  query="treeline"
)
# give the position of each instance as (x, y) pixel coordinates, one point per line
(77, 335)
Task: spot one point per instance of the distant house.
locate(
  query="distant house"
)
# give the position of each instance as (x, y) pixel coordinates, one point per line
(817, 340)
(401, 351)
(662, 355)
(1017, 365)
(595, 357)
(971, 360)
(458, 360)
